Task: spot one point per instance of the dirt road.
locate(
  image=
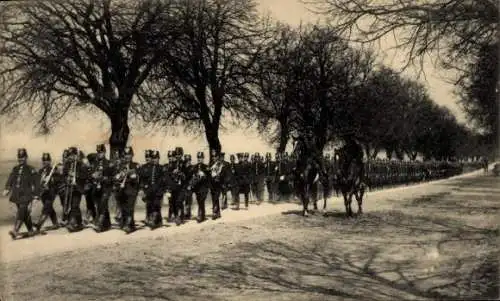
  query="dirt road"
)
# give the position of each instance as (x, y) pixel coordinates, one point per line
(435, 240)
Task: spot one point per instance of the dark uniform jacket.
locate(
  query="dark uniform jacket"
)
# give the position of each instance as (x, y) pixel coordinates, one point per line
(132, 178)
(102, 172)
(23, 184)
(152, 178)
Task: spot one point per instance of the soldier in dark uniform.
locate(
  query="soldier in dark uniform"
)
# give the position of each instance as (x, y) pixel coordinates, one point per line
(177, 182)
(60, 183)
(127, 189)
(152, 182)
(116, 160)
(188, 192)
(281, 177)
(231, 179)
(200, 185)
(168, 182)
(47, 192)
(22, 185)
(216, 183)
(147, 155)
(102, 172)
(225, 178)
(269, 177)
(259, 175)
(90, 202)
(244, 174)
(75, 174)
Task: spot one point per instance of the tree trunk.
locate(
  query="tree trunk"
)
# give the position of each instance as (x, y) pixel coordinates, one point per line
(213, 141)
(284, 136)
(120, 131)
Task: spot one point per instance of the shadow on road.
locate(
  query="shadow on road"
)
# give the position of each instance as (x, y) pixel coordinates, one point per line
(378, 256)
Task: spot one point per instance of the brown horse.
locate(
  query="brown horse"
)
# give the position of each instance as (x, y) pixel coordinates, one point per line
(350, 174)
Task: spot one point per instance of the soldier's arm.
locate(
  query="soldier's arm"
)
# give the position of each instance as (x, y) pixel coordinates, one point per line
(10, 180)
(35, 181)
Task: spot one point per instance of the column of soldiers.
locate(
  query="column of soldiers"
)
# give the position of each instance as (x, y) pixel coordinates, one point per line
(98, 180)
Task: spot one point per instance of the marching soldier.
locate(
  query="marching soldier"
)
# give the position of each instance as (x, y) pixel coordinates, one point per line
(177, 180)
(281, 176)
(147, 155)
(168, 182)
(200, 185)
(244, 173)
(90, 203)
(127, 189)
(147, 158)
(75, 174)
(188, 193)
(22, 185)
(116, 161)
(102, 171)
(216, 183)
(152, 182)
(231, 179)
(225, 178)
(269, 177)
(60, 183)
(47, 192)
(258, 177)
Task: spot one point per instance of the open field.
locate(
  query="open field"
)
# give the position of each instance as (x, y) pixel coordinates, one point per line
(431, 241)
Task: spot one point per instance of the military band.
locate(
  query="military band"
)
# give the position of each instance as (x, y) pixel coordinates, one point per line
(180, 181)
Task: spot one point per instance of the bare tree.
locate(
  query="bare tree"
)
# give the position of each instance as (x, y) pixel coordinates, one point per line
(208, 71)
(452, 29)
(64, 53)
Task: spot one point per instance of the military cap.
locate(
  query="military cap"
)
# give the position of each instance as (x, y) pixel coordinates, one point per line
(200, 155)
(187, 157)
(246, 155)
(46, 157)
(222, 154)
(154, 154)
(232, 157)
(257, 154)
(252, 157)
(239, 155)
(268, 155)
(128, 151)
(65, 153)
(179, 151)
(100, 148)
(73, 150)
(169, 154)
(148, 153)
(21, 153)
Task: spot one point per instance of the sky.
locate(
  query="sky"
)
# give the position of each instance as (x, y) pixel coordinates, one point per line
(85, 130)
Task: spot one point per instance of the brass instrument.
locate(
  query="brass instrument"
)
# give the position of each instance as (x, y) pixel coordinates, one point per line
(44, 182)
(216, 170)
(70, 184)
(198, 176)
(125, 176)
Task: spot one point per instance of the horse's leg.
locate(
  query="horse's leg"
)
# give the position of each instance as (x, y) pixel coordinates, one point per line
(359, 199)
(346, 202)
(305, 199)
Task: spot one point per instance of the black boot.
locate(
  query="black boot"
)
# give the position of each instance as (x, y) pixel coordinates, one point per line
(14, 232)
(41, 221)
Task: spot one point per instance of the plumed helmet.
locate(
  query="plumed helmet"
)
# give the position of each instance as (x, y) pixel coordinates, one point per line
(128, 151)
(22, 153)
(154, 154)
(179, 151)
(46, 157)
(73, 151)
(100, 148)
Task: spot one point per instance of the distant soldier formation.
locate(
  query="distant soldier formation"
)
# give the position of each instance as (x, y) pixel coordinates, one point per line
(98, 180)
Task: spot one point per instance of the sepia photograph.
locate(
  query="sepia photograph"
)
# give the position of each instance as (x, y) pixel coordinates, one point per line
(220, 150)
